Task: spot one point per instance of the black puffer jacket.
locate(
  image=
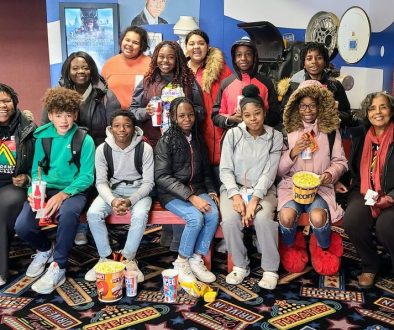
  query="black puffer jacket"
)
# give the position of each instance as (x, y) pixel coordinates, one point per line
(22, 129)
(95, 112)
(387, 180)
(183, 170)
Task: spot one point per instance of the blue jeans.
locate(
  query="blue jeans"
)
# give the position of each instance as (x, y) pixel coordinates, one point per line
(200, 227)
(322, 234)
(99, 210)
(27, 228)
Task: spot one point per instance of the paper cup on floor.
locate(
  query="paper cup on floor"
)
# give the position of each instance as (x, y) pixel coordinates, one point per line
(109, 280)
(170, 285)
(130, 279)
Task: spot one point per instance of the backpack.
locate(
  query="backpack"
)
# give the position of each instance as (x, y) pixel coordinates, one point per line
(76, 146)
(138, 153)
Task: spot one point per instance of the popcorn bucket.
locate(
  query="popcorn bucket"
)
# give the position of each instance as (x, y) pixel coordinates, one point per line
(305, 185)
(109, 280)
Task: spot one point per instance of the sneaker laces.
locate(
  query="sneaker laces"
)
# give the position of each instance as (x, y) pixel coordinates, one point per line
(184, 265)
(40, 256)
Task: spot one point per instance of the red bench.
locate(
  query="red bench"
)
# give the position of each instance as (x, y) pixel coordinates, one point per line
(160, 216)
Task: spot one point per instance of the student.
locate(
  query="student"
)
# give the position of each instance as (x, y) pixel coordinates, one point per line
(210, 69)
(65, 187)
(124, 70)
(249, 162)
(122, 190)
(311, 113)
(315, 59)
(226, 112)
(168, 77)
(185, 187)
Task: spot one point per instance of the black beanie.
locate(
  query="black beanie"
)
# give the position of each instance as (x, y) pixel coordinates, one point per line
(251, 94)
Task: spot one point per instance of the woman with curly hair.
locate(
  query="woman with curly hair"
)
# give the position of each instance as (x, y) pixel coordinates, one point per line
(311, 119)
(168, 77)
(372, 167)
(209, 68)
(185, 187)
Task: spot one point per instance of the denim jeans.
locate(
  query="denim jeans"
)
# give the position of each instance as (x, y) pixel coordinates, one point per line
(322, 234)
(99, 210)
(200, 227)
(27, 228)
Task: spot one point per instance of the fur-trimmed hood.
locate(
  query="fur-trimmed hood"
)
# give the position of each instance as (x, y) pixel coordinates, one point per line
(214, 64)
(327, 117)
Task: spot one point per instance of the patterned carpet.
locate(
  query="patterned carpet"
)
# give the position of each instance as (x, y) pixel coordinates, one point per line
(302, 301)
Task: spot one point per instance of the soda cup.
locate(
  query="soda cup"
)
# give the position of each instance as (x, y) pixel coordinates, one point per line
(38, 189)
(170, 285)
(130, 280)
(156, 104)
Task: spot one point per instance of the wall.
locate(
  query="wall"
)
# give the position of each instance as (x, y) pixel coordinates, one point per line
(219, 18)
(24, 55)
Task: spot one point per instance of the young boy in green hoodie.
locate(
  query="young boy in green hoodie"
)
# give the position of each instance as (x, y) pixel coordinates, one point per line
(66, 184)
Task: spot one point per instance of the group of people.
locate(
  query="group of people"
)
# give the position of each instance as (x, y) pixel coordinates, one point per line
(220, 150)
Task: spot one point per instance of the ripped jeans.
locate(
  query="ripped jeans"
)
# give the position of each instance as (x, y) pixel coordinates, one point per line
(322, 234)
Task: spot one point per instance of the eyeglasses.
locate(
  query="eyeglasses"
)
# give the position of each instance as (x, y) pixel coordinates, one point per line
(312, 106)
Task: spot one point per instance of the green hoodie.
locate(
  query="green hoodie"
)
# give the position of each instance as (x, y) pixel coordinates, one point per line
(63, 173)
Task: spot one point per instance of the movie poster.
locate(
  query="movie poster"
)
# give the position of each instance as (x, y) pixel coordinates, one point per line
(90, 30)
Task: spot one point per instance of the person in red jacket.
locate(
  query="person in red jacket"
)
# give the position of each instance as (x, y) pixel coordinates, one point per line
(210, 69)
(226, 112)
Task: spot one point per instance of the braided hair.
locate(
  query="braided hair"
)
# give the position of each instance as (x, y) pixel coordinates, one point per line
(183, 75)
(175, 135)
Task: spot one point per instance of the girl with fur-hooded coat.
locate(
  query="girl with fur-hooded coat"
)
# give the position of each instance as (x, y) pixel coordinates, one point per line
(325, 246)
(326, 122)
(209, 77)
(209, 68)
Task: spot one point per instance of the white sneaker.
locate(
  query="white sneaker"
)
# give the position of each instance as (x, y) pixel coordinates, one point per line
(90, 276)
(269, 280)
(185, 274)
(80, 238)
(133, 265)
(2, 280)
(202, 273)
(53, 278)
(37, 266)
(237, 275)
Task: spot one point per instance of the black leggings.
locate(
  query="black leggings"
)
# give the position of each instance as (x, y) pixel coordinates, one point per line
(12, 199)
(358, 223)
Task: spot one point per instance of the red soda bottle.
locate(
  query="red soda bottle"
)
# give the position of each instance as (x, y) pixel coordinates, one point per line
(158, 113)
(37, 197)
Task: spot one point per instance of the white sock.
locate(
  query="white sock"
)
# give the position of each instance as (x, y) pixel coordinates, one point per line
(179, 259)
(196, 257)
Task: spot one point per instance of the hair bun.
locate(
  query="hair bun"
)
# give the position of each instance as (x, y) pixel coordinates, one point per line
(250, 91)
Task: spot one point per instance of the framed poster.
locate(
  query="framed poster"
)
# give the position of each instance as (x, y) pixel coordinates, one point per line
(154, 38)
(90, 27)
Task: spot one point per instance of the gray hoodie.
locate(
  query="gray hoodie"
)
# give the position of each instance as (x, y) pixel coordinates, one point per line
(124, 168)
(248, 160)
